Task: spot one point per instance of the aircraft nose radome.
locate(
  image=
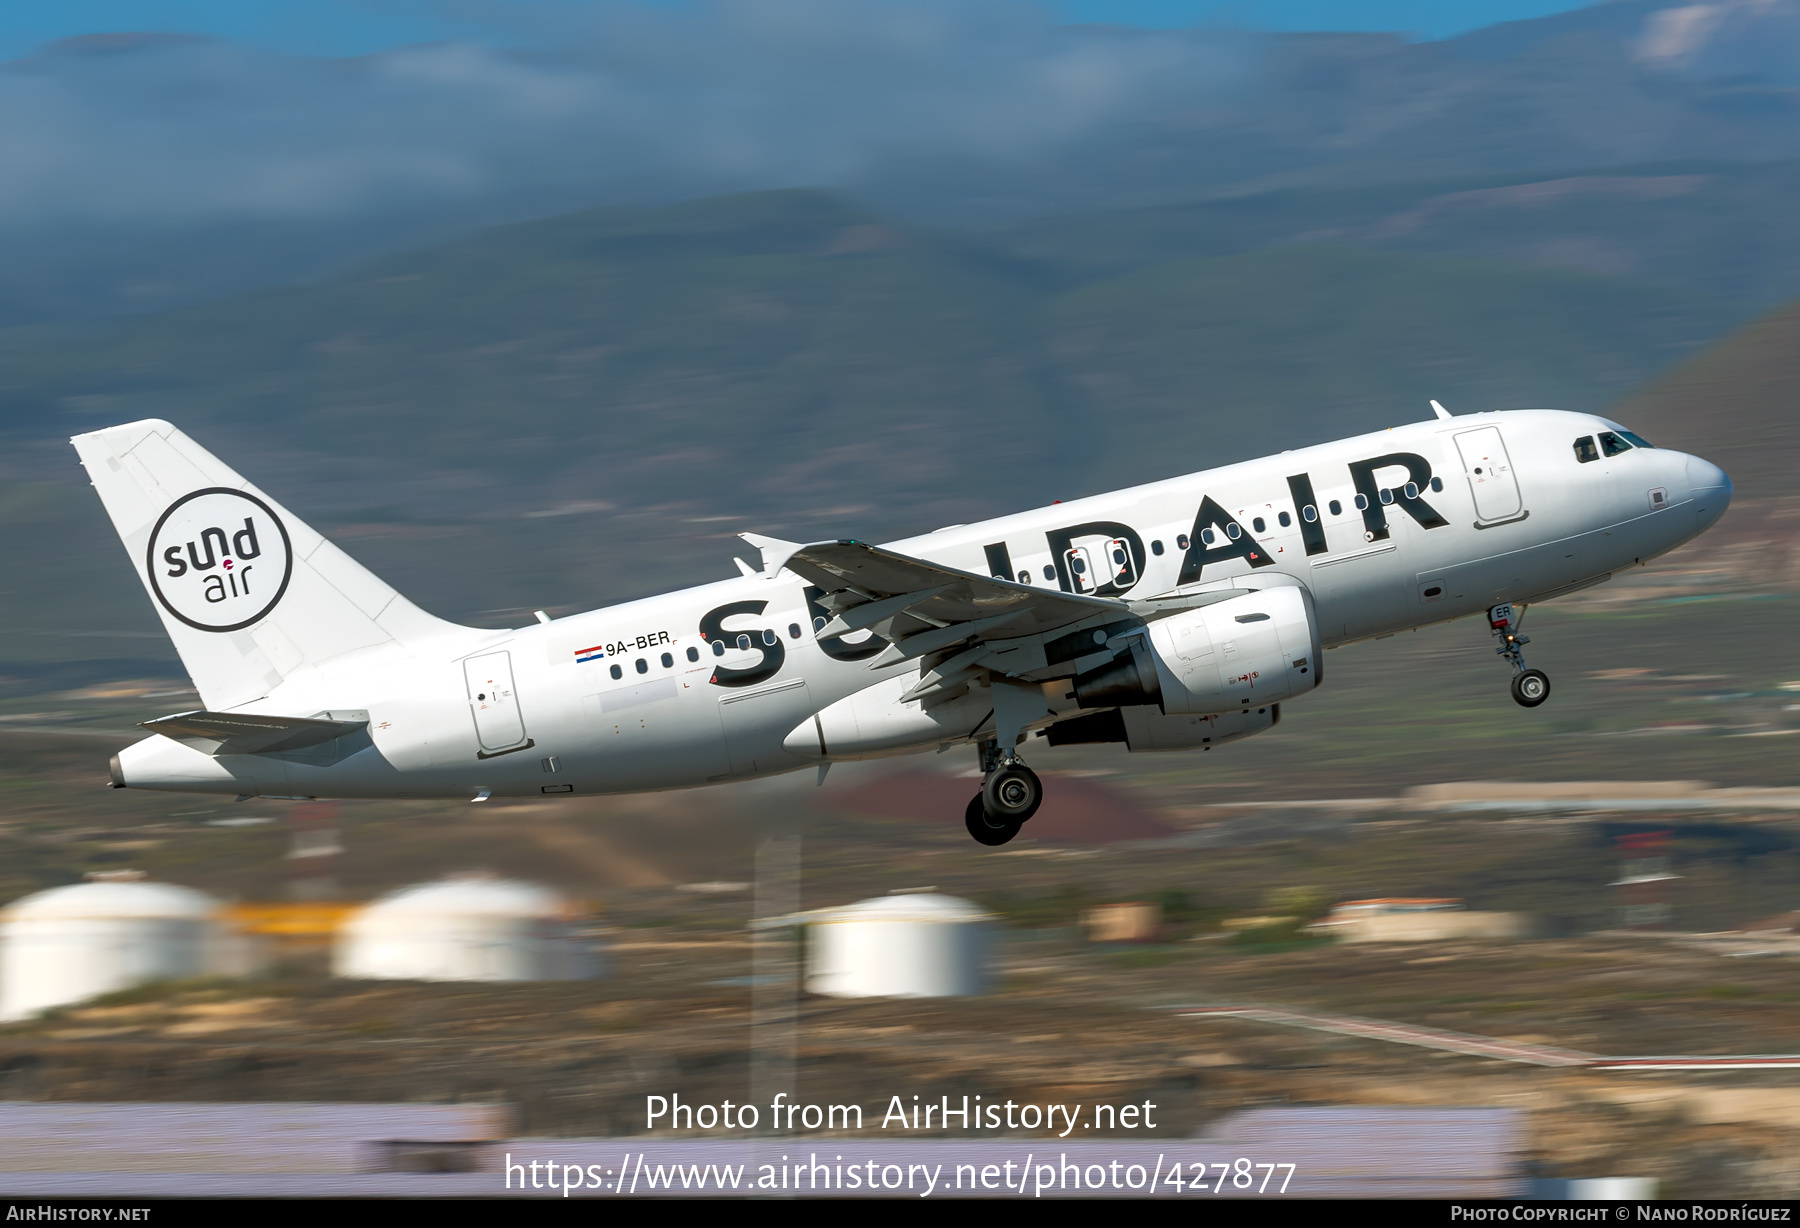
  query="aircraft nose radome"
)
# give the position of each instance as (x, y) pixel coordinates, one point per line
(1711, 488)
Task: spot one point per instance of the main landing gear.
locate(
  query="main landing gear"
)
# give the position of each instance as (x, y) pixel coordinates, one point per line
(1010, 794)
(1530, 687)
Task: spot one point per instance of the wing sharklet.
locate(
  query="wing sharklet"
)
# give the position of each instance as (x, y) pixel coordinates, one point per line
(775, 552)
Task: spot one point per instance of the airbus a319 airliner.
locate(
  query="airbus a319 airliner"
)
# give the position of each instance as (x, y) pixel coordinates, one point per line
(1175, 616)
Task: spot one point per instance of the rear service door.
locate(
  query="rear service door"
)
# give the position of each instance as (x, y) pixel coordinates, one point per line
(499, 725)
(1490, 474)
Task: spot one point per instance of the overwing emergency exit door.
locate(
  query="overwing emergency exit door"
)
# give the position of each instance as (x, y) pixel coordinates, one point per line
(499, 725)
(1491, 478)
(1100, 561)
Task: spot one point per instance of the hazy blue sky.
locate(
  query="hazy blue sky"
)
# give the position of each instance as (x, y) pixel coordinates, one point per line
(351, 27)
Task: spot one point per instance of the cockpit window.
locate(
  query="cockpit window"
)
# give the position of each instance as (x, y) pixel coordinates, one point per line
(1636, 441)
(1585, 450)
(1612, 445)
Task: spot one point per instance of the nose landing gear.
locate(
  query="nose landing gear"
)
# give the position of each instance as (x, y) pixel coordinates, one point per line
(1010, 794)
(1530, 687)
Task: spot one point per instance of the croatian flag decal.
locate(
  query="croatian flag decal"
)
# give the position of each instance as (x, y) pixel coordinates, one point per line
(590, 654)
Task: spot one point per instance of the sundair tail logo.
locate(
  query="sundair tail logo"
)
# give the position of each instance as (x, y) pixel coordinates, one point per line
(219, 559)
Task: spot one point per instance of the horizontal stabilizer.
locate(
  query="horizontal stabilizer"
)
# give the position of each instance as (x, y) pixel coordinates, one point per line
(242, 733)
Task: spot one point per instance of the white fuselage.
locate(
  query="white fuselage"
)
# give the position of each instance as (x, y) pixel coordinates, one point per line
(636, 697)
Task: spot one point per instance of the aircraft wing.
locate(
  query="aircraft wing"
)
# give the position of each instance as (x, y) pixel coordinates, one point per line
(923, 607)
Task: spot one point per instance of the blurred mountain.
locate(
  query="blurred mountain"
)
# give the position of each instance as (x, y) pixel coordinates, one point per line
(791, 353)
(1749, 41)
(1737, 403)
(569, 413)
(148, 172)
(1721, 229)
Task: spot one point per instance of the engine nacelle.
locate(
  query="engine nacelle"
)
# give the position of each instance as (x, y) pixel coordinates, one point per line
(1143, 729)
(1149, 730)
(1248, 652)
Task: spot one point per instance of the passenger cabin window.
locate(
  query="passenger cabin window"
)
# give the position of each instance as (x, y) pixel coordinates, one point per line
(743, 643)
(1285, 519)
(1181, 541)
(1437, 484)
(1337, 509)
(693, 654)
(1206, 535)
(617, 672)
(1156, 547)
(1309, 513)
(1024, 578)
(1049, 571)
(1362, 502)
(1585, 450)
(668, 661)
(718, 648)
(643, 666)
(793, 631)
(1258, 524)
(1612, 445)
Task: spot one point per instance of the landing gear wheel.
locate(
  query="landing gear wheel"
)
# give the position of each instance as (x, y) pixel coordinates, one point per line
(1530, 688)
(990, 832)
(1012, 793)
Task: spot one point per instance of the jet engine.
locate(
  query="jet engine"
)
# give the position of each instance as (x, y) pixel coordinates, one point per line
(1243, 653)
(1141, 729)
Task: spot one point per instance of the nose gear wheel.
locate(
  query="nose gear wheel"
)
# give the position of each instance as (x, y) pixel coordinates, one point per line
(1530, 687)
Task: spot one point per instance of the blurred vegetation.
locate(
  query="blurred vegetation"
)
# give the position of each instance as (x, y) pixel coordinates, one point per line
(1286, 934)
(1304, 904)
(1059, 908)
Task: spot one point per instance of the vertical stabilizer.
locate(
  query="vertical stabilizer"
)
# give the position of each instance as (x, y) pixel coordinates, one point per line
(248, 592)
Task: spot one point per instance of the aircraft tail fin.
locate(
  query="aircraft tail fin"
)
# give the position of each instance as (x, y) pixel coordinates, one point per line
(248, 592)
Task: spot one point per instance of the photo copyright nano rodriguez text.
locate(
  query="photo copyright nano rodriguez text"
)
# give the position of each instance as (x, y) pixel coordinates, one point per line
(1638, 1212)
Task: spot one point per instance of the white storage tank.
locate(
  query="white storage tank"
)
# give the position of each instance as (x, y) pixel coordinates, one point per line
(899, 946)
(68, 944)
(472, 928)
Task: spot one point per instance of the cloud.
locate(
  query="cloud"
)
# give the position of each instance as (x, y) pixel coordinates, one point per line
(609, 102)
(936, 109)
